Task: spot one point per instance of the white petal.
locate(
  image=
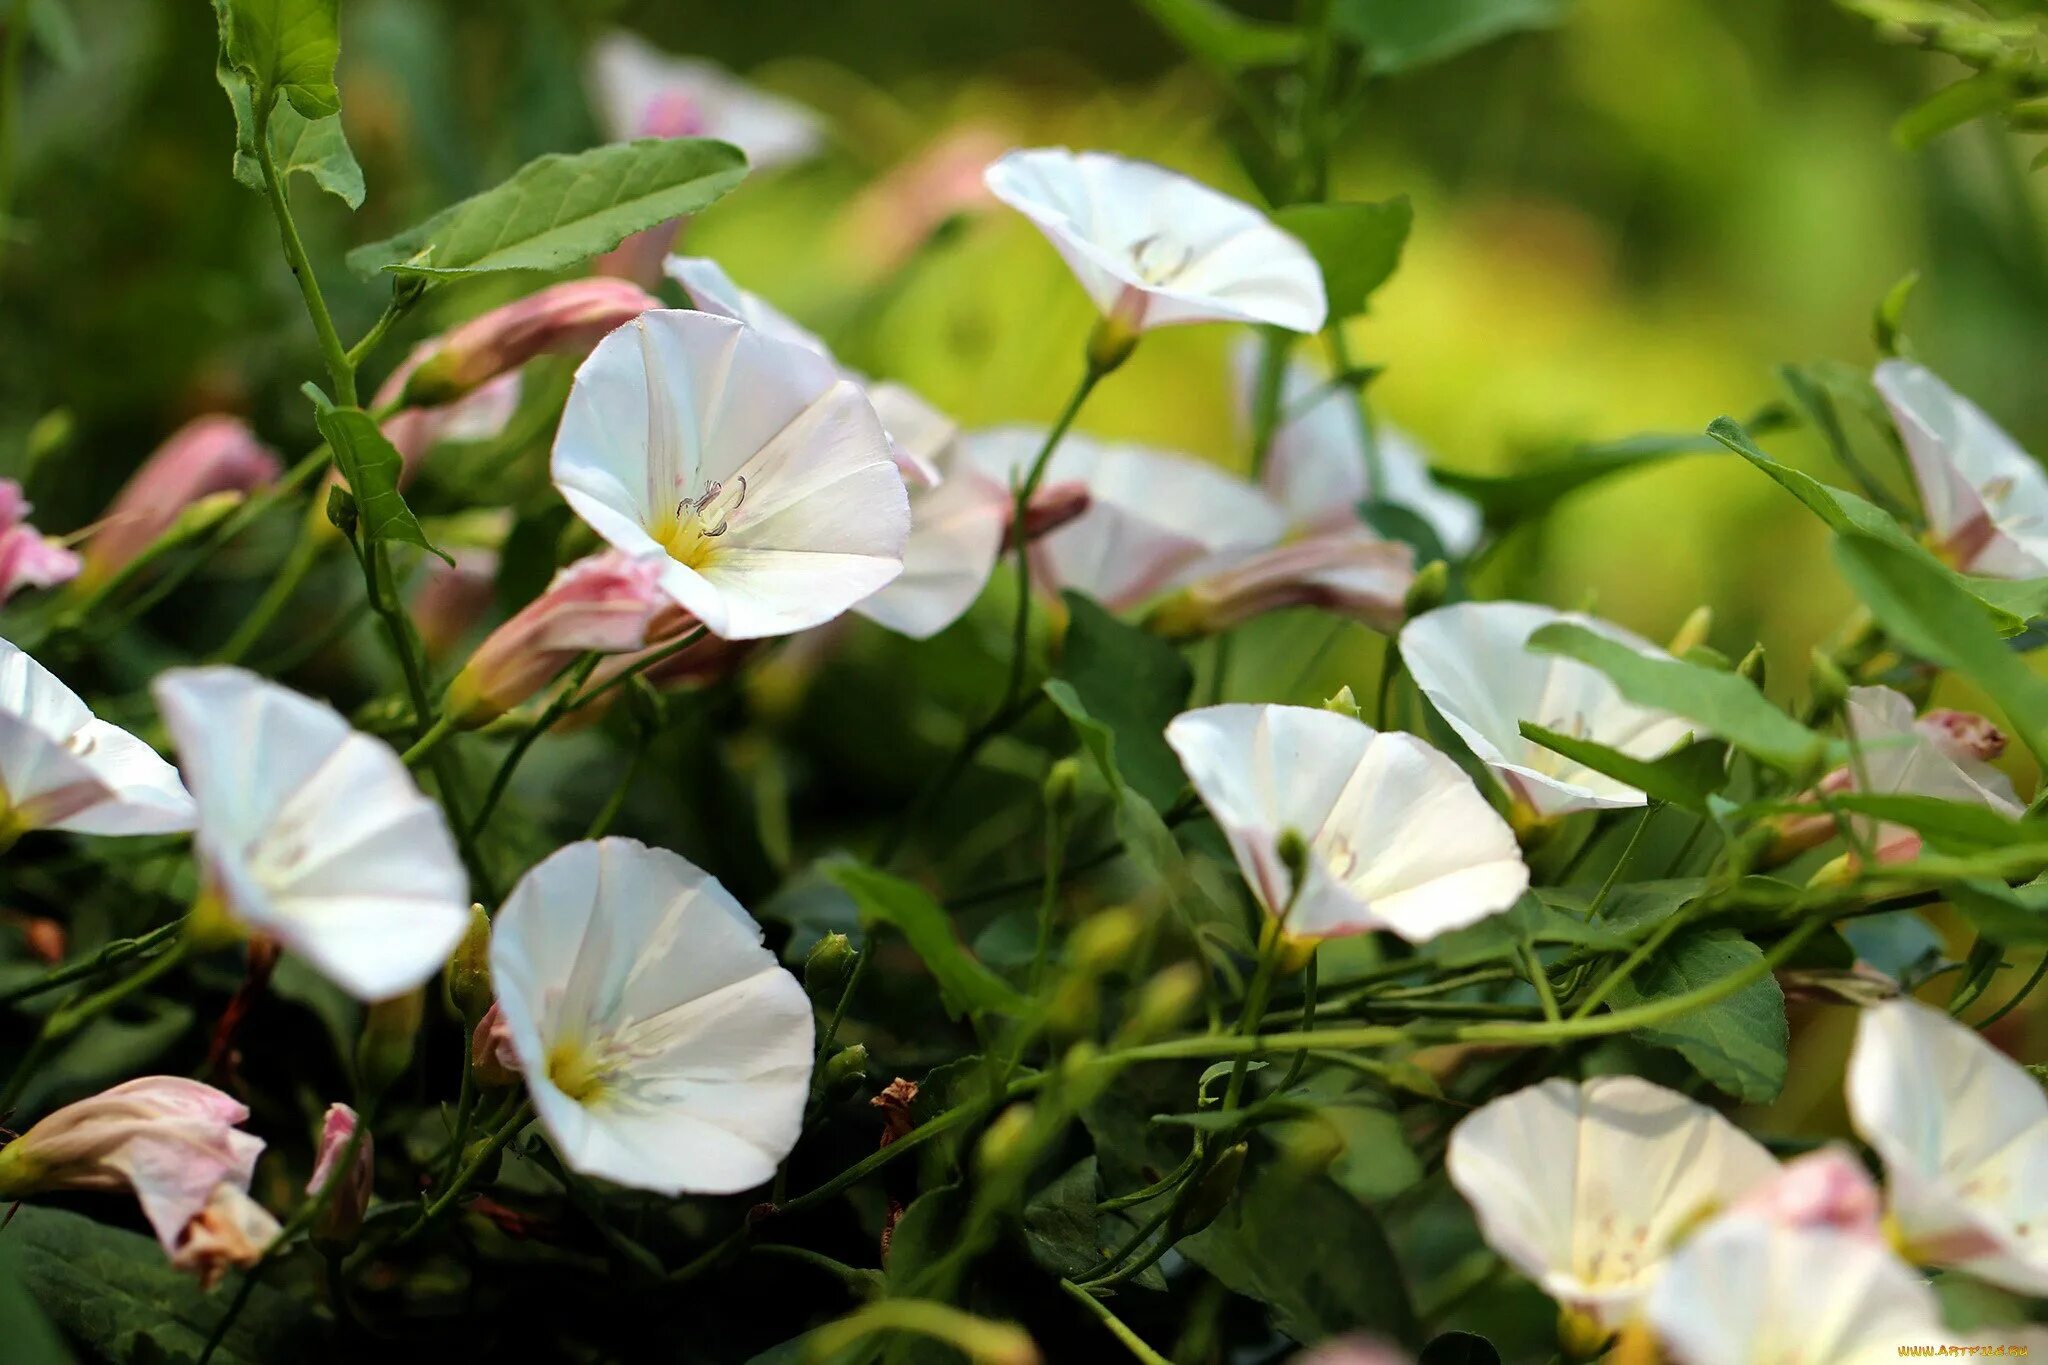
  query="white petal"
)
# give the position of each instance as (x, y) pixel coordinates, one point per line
(62, 769)
(629, 77)
(148, 797)
(1967, 470)
(711, 290)
(956, 533)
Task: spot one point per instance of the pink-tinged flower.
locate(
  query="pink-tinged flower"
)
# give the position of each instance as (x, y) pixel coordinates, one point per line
(606, 602)
(28, 558)
(173, 1141)
(492, 1062)
(563, 319)
(641, 91)
(208, 455)
(1986, 499)
(899, 212)
(1355, 1350)
(232, 1231)
(343, 1218)
(1823, 1189)
(1352, 573)
(479, 415)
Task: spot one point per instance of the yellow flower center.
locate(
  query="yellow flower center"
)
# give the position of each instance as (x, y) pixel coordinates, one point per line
(577, 1070)
(690, 534)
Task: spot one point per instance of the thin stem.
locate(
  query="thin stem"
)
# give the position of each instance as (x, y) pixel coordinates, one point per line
(75, 1015)
(978, 1339)
(636, 668)
(1627, 852)
(340, 372)
(400, 304)
(560, 705)
(1268, 383)
(277, 595)
(616, 802)
(429, 741)
(120, 950)
(1117, 1327)
(1048, 897)
(2018, 996)
(1540, 979)
(470, 1170)
(13, 46)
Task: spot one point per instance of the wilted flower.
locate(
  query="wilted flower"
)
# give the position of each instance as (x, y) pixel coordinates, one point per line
(313, 833)
(1149, 518)
(232, 1231)
(1317, 470)
(1827, 1188)
(1747, 1291)
(28, 558)
(1472, 660)
(663, 1046)
(641, 91)
(173, 1141)
(757, 480)
(343, 1217)
(1586, 1188)
(1986, 499)
(1351, 572)
(1397, 837)
(1154, 249)
(1962, 1130)
(605, 602)
(208, 455)
(62, 769)
(562, 319)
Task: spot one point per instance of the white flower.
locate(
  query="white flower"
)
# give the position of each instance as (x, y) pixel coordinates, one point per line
(711, 290)
(1398, 838)
(1316, 466)
(1986, 498)
(313, 833)
(1585, 1188)
(663, 1046)
(757, 478)
(1963, 1133)
(62, 769)
(1154, 249)
(1473, 662)
(641, 91)
(1749, 1292)
(956, 534)
(1152, 516)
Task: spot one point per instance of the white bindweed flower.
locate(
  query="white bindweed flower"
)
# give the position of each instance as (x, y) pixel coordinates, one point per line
(1986, 499)
(663, 1046)
(60, 768)
(1585, 1188)
(1397, 836)
(1746, 1291)
(314, 834)
(1154, 249)
(1152, 517)
(711, 290)
(956, 534)
(758, 479)
(1473, 662)
(1963, 1133)
(641, 91)
(1317, 470)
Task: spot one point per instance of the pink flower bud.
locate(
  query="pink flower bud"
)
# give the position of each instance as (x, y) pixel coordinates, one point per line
(28, 558)
(1962, 735)
(208, 455)
(1824, 1189)
(232, 1230)
(1352, 573)
(562, 319)
(172, 1141)
(342, 1220)
(492, 1062)
(1051, 507)
(1355, 1350)
(606, 602)
(451, 602)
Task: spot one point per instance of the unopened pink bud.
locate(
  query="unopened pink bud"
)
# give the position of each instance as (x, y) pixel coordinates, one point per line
(606, 603)
(1351, 573)
(341, 1221)
(1961, 735)
(492, 1062)
(208, 455)
(1355, 1350)
(1051, 507)
(1824, 1189)
(562, 319)
(28, 558)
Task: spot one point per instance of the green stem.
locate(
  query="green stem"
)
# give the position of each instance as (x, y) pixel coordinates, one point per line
(1048, 897)
(13, 47)
(2018, 996)
(340, 372)
(120, 950)
(429, 741)
(1375, 473)
(1627, 852)
(981, 1341)
(400, 304)
(74, 1015)
(469, 1172)
(1268, 383)
(1117, 1327)
(563, 702)
(636, 668)
(1540, 979)
(277, 595)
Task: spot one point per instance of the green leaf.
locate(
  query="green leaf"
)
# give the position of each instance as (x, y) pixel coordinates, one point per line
(372, 467)
(1928, 613)
(1133, 683)
(1529, 920)
(2011, 603)
(56, 32)
(1357, 246)
(1951, 826)
(284, 47)
(559, 211)
(113, 1292)
(1401, 34)
(1738, 1043)
(1684, 779)
(315, 147)
(1315, 1256)
(1219, 36)
(1507, 498)
(1951, 106)
(1068, 1236)
(2015, 917)
(1726, 704)
(966, 985)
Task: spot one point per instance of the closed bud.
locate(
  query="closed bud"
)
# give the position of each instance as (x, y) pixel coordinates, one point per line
(1706, 656)
(340, 1223)
(1073, 1008)
(1431, 586)
(1170, 997)
(1692, 632)
(1110, 344)
(1293, 851)
(384, 1050)
(1344, 704)
(826, 967)
(469, 969)
(1350, 573)
(1080, 1076)
(847, 1072)
(210, 460)
(563, 319)
(1308, 1146)
(1210, 1192)
(1007, 1140)
(1062, 789)
(492, 1063)
(1829, 685)
(1105, 940)
(1580, 1335)
(1752, 666)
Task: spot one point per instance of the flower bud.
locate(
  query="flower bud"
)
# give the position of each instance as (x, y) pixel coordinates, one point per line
(1309, 1145)
(492, 1063)
(469, 969)
(1170, 997)
(567, 318)
(1344, 704)
(1062, 789)
(847, 1072)
(827, 966)
(1110, 343)
(1007, 1140)
(1431, 586)
(1209, 1194)
(207, 456)
(1051, 507)
(340, 1224)
(1580, 1335)
(1961, 735)
(1692, 632)
(1293, 851)
(1105, 940)
(384, 1049)
(28, 559)
(1352, 573)
(1751, 669)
